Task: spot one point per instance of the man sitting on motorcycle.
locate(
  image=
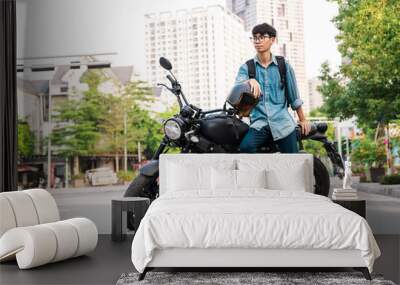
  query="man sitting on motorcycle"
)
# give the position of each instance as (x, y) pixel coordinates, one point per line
(271, 111)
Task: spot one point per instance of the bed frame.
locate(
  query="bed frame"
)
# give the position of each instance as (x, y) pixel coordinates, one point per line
(242, 259)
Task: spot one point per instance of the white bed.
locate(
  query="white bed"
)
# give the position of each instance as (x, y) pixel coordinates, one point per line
(219, 224)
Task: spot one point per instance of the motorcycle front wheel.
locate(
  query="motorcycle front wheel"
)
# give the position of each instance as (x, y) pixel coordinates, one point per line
(142, 186)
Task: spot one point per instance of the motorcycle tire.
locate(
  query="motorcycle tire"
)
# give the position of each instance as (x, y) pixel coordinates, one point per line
(140, 186)
(322, 181)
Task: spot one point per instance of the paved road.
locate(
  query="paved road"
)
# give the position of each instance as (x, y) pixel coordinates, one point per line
(93, 203)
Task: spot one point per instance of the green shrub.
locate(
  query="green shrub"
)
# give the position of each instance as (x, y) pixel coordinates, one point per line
(125, 175)
(391, 179)
(368, 153)
(358, 169)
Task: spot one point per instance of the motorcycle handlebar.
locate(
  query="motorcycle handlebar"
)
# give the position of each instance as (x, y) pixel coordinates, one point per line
(315, 127)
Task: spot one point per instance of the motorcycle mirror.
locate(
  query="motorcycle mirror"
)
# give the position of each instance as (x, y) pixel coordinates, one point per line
(165, 63)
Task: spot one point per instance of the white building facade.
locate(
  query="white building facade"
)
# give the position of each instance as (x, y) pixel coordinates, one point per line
(315, 97)
(288, 19)
(206, 48)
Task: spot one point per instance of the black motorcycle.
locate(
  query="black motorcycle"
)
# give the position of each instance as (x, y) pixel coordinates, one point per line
(219, 131)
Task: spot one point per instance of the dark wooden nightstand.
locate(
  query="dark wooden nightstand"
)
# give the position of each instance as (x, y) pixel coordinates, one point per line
(120, 208)
(357, 206)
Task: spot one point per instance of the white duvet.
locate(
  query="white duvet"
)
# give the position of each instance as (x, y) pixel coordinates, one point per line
(253, 218)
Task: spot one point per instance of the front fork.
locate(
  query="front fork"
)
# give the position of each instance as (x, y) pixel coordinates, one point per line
(334, 156)
(160, 149)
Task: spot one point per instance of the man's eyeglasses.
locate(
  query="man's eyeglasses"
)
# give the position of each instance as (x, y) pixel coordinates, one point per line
(259, 39)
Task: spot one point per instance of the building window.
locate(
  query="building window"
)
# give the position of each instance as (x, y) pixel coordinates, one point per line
(281, 10)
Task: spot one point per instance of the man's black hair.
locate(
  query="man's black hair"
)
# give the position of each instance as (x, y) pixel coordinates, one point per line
(263, 29)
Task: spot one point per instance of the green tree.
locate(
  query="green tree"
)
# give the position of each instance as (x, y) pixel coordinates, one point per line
(333, 90)
(122, 125)
(368, 84)
(26, 139)
(369, 37)
(317, 112)
(96, 123)
(78, 120)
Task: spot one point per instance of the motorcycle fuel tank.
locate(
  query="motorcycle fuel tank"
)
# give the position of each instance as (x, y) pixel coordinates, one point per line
(223, 129)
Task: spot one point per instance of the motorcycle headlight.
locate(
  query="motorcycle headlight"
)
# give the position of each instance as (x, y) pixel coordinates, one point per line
(172, 129)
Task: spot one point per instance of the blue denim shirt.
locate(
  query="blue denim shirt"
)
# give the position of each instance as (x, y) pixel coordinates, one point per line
(272, 109)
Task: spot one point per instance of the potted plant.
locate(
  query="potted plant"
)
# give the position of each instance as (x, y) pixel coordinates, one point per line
(378, 155)
(372, 155)
(78, 180)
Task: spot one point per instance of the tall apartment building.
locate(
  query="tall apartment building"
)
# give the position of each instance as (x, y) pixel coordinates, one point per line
(315, 97)
(287, 17)
(205, 47)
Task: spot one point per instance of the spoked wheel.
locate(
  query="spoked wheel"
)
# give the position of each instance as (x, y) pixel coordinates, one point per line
(321, 178)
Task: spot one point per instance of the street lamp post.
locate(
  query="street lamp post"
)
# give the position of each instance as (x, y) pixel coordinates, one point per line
(125, 144)
(49, 168)
(339, 138)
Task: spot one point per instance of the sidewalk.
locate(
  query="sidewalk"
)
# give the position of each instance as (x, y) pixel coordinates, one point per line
(376, 188)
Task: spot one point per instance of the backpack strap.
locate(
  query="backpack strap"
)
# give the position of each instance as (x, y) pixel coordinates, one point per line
(251, 67)
(282, 73)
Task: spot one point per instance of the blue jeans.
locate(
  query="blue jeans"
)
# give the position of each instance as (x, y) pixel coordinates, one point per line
(254, 139)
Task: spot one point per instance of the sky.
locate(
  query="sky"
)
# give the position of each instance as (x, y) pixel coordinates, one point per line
(64, 27)
(319, 35)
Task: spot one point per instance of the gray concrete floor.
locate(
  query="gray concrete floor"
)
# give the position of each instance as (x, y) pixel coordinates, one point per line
(102, 266)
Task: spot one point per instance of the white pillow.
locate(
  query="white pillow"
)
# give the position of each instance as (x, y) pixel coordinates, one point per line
(284, 171)
(187, 175)
(231, 180)
(223, 179)
(293, 180)
(183, 177)
(251, 178)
